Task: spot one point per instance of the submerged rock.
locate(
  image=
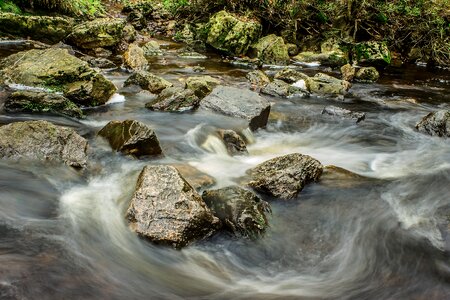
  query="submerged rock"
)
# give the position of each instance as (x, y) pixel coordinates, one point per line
(343, 113)
(131, 137)
(175, 99)
(57, 70)
(234, 143)
(240, 211)
(283, 89)
(338, 177)
(367, 74)
(239, 103)
(258, 78)
(232, 34)
(334, 58)
(43, 141)
(166, 210)
(148, 81)
(42, 28)
(134, 58)
(436, 124)
(290, 76)
(348, 72)
(372, 53)
(41, 102)
(201, 85)
(271, 50)
(325, 84)
(285, 176)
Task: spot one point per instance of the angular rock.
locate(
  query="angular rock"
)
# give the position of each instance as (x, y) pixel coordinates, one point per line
(240, 211)
(134, 58)
(232, 34)
(175, 99)
(131, 137)
(258, 78)
(335, 58)
(201, 85)
(436, 124)
(43, 141)
(283, 89)
(239, 103)
(43, 28)
(151, 49)
(166, 210)
(196, 178)
(344, 113)
(372, 53)
(234, 143)
(41, 102)
(290, 76)
(271, 50)
(285, 176)
(57, 70)
(325, 84)
(348, 72)
(367, 74)
(148, 81)
(103, 32)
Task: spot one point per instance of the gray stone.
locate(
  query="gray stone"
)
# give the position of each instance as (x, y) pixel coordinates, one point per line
(174, 99)
(148, 81)
(283, 89)
(290, 76)
(201, 85)
(258, 78)
(324, 84)
(234, 143)
(343, 113)
(134, 58)
(436, 124)
(367, 74)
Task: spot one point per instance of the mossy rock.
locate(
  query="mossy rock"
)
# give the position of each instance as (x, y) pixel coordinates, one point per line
(271, 49)
(104, 32)
(372, 53)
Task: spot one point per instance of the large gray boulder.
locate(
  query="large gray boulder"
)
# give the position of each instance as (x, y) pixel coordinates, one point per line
(436, 124)
(240, 211)
(43, 141)
(131, 137)
(238, 103)
(166, 210)
(56, 70)
(285, 176)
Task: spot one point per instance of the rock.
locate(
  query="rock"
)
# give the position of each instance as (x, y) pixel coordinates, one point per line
(372, 53)
(102, 32)
(201, 85)
(128, 34)
(175, 99)
(166, 210)
(258, 78)
(290, 76)
(331, 58)
(136, 19)
(283, 89)
(151, 49)
(341, 178)
(196, 178)
(191, 55)
(285, 176)
(240, 211)
(234, 143)
(41, 102)
(271, 50)
(325, 84)
(344, 113)
(41, 140)
(98, 62)
(348, 72)
(232, 34)
(292, 49)
(134, 58)
(148, 81)
(57, 70)
(436, 124)
(239, 103)
(131, 137)
(367, 74)
(43, 28)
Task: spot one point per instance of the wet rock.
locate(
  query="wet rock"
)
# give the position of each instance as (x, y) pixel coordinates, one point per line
(341, 178)
(234, 143)
(151, 49)
(134, 58)
(348, 72)
(292, 49)
(285, 176)
(9, 292)
(42, 28)
(98, 62)
(41, 102)
(196, 178)
(148, 81)
(283, 89)
(57, 70)
(343, 113)
(258, 78)
(102, 32)
(43, 141)
(239, 103)
(131, 137)
(436, 124)
(372, 53)
(240, 211)
(232, 34)
(325, 84)
(290, 76)
(271, 50)
(330, 58)
(201, 85)
(367, 74)
(166, 210)
(175, 99)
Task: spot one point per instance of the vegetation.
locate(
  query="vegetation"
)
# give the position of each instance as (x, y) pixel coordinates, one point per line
(76, 8)
(9, 6)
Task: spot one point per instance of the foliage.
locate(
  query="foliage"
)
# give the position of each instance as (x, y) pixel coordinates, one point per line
(9, 6)
(77, 8)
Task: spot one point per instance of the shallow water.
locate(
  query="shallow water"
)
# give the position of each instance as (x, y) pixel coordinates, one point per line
(64, 235)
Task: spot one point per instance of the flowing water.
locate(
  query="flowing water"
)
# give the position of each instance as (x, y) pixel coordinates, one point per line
(382, 236)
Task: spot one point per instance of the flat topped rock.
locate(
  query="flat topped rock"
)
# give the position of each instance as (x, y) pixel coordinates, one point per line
(166, 210)
(238, 103)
